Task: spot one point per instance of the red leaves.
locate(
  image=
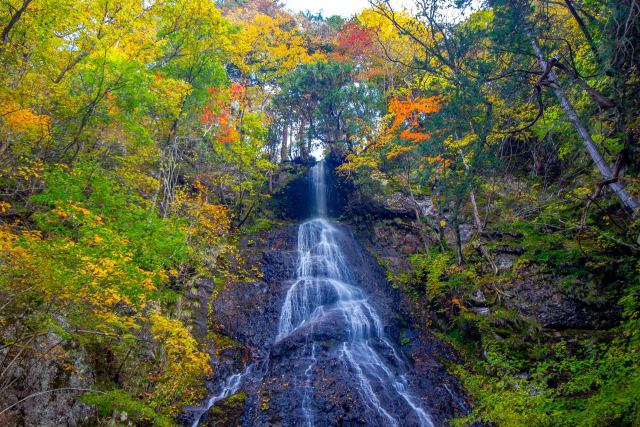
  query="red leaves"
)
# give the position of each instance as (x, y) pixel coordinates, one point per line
(237, 91)
(355, 40)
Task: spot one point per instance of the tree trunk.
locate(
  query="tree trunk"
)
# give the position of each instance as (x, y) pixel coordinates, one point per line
(601, 164)
(416, 205)
(585, 32)
(456, 232)
(476, 214)
(301, 143)
(284, 151)
(12, 22)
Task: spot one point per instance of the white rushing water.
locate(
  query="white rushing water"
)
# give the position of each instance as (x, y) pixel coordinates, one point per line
(231, 386)
(324, 286)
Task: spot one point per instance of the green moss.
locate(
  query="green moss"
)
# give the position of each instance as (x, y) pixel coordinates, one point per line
(227, 412)
(222, 343)
(118, 400)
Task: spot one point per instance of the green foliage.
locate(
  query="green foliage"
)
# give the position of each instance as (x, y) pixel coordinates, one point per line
(120, 401)
(327, 95)
(154, 242)
(430, 268)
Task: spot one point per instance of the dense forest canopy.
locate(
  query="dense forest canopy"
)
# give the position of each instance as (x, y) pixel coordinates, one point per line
(142, 142)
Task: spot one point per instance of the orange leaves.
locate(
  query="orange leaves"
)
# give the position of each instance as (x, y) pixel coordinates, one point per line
(409, 109)
(414, 136)
(19, 120)
(237, 92)
(219, 116)
(406, 115)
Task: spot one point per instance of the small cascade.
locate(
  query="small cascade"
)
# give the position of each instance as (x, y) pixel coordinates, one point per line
(230, 387)
(325, 287)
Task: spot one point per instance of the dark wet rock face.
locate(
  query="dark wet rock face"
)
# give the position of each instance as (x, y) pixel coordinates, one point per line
(284, 376)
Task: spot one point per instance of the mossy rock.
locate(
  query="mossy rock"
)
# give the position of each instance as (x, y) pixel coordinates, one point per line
(228, 348)
(227, 412)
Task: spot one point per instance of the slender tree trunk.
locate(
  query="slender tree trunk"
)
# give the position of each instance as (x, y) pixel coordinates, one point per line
(585, 31)
(476, 214)
(456, 232)
(601, 164)
(283, 148)
(12, 22)
(416, 205)
(478, 223)
(302, 143)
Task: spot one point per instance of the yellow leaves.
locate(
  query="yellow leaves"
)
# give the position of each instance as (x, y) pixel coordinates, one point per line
(77, 213)
(8, 249)
(213, 220)
(398, 46)
(103, 268)
(4, 206)
(355, 162)
(582, 192)
(170, 94)
(29, 170)
(398, 150)
(456, 144)
(148, 284)
(210, 222)
(438, 160)
(184, 366)
(272, 45)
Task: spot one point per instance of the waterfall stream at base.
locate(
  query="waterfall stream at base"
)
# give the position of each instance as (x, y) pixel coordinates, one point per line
(325, 290)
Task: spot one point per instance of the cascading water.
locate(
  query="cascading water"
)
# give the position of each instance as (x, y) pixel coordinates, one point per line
(330, 362)
(325, 287)
(230, 386)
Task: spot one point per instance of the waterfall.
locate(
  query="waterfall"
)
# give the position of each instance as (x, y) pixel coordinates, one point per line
(319, 189)
(333, 330)
(324, 286)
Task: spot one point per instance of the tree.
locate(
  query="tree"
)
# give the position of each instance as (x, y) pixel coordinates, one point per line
(330, 104)
(520, 14)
